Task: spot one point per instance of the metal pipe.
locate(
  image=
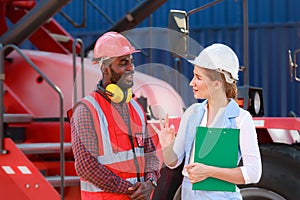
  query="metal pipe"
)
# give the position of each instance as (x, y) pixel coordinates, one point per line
(203, 7)
(101, 12)
(141, 12)
(69, 180)
(2, 75)
(246, 42)
(35, 18)
(61, 110)
(133, 18)
(78, 40)
(75, 24)
(296, 65)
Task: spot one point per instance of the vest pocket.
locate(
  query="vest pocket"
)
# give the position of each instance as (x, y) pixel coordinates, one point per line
(119, 140)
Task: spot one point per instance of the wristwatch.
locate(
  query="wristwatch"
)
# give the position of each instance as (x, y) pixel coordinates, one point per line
(153, 182)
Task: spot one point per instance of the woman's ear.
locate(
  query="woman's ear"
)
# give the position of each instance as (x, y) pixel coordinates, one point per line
(218, 84)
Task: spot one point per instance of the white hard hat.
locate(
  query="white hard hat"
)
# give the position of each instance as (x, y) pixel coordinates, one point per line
(221, 58)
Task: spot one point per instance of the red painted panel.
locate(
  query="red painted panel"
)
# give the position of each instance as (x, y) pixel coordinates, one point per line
(22, 180)
(287, 123)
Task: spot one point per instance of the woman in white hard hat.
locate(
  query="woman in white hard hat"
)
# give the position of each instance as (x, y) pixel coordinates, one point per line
(215, 75)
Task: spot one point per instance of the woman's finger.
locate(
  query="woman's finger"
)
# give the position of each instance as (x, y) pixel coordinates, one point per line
(161, 124)
(166, 124)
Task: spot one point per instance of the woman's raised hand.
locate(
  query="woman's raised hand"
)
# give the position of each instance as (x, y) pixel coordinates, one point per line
(167, 133)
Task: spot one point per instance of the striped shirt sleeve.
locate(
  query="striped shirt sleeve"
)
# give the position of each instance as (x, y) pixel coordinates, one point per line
(152, 162)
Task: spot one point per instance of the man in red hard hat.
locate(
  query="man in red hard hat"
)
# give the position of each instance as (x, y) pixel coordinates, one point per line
(114, 155)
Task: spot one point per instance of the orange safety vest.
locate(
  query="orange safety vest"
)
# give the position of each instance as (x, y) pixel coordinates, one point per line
(115, 148)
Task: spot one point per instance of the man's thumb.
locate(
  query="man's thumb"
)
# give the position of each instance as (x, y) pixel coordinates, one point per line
(134, 187)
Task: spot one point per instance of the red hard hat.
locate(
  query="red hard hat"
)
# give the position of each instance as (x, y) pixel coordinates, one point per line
(112, 44)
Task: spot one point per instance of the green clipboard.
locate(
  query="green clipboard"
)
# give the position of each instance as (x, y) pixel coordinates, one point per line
(216, 147)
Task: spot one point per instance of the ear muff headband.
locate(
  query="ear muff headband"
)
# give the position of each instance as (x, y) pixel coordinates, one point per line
(129, 95)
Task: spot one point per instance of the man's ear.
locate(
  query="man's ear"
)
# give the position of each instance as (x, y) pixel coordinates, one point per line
(104, 69)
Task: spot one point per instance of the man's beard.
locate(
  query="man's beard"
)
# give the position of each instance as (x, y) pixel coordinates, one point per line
(124, 81)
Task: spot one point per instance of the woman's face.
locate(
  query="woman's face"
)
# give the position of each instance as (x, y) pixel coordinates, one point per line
(203, 87)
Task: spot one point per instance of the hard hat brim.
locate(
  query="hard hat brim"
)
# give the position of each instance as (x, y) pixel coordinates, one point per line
(96, 60)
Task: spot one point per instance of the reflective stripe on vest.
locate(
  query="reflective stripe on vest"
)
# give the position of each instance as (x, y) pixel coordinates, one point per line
(88, 187)
(115, 161)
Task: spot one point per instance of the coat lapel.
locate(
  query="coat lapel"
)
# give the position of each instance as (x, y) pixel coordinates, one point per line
(231, 112)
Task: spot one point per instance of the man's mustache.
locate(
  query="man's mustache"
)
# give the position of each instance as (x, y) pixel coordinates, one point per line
(122, 81)
(128, 73)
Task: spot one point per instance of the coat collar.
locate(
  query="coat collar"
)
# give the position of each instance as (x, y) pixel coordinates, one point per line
(232, 111)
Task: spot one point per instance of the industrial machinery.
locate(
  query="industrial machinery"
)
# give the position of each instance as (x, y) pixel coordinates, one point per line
(38, 87)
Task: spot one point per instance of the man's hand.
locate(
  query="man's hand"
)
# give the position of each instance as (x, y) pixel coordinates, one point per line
(141, 190)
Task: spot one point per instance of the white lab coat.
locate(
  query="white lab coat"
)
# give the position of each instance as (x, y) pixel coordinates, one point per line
(233, 117)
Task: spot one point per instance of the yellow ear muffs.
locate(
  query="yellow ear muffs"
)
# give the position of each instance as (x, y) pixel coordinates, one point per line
(129, 95)
(117, 94)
